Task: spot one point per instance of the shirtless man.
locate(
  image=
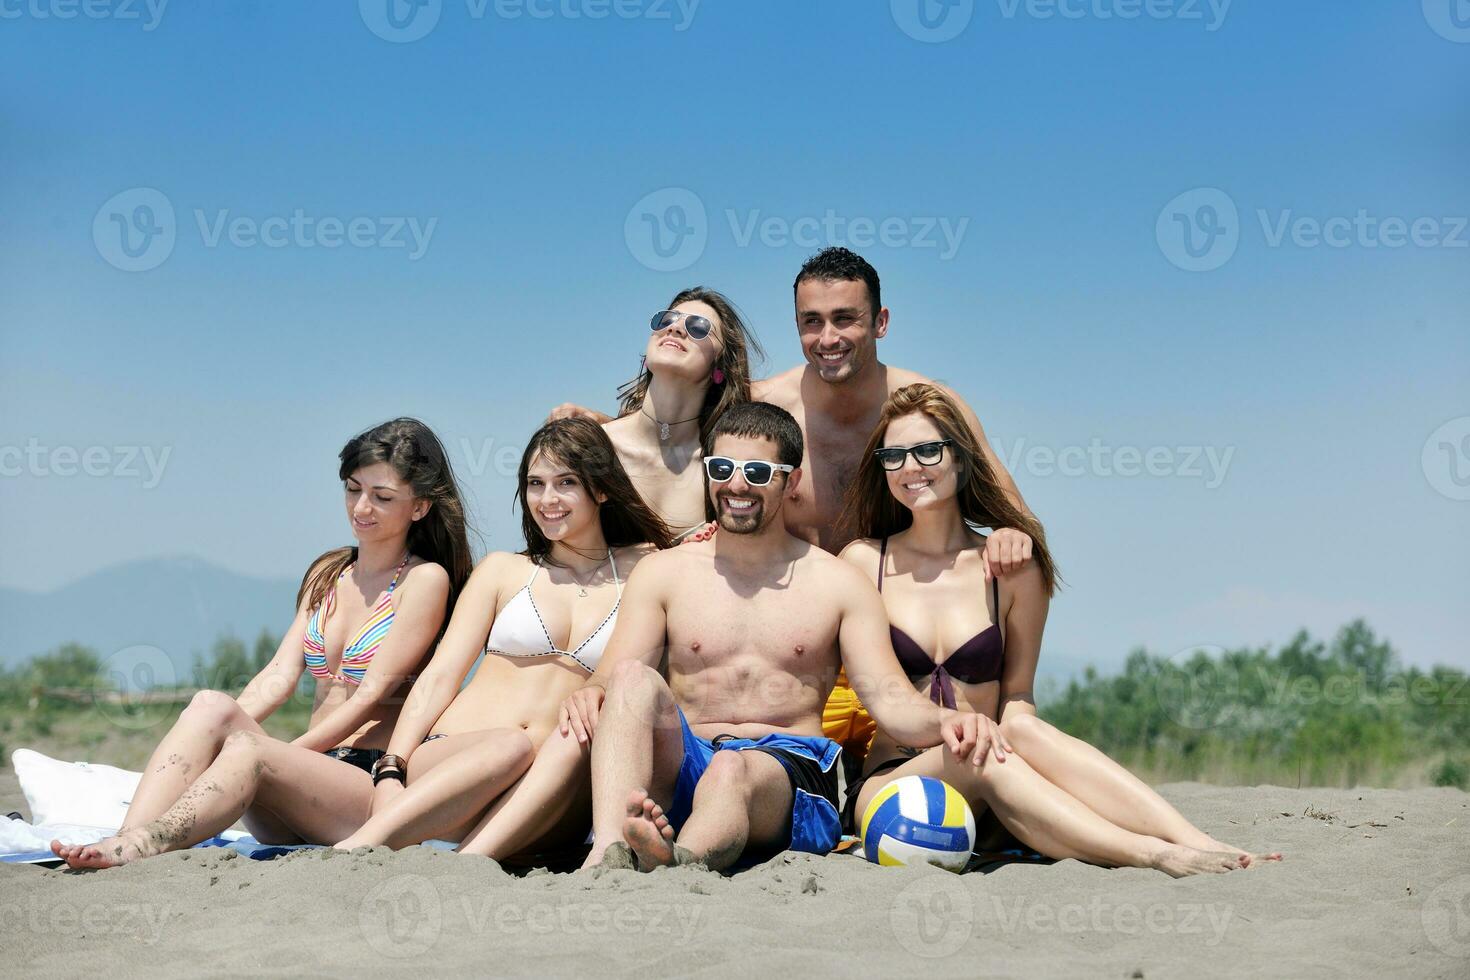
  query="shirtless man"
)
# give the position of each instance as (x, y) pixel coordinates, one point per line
(726, 759)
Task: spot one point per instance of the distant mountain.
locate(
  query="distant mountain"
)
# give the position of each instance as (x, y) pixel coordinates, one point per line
(178, 605)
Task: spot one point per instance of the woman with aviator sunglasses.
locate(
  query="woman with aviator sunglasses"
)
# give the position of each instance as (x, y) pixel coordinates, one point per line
(696, 364)
(922, 488)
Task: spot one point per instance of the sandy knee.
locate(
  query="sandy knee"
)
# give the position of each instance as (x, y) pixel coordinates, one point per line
(214, 709)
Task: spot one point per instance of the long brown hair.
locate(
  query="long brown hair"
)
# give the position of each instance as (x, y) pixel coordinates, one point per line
(584, 448)
(872, 511)
(418, 457)
(737, 344)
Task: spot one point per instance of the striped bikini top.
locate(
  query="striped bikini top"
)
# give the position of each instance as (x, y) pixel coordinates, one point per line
(358, 653)
(519, 630)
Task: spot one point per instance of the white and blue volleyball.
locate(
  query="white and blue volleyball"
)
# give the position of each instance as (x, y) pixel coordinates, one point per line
(919, 820)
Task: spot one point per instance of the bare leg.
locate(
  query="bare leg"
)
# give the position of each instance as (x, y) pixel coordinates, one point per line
(536, 805)
(444, 797)
(317, 797)
(638, 746)
(185, 752)
(742, 800)
(1108, 789)
(1046, 817)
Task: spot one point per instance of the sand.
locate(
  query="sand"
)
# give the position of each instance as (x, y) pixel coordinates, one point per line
(1376, 883)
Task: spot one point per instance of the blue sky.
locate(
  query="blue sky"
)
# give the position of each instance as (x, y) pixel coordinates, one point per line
(1296, 372)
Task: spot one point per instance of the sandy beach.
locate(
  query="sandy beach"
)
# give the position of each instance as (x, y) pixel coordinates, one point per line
(1376, 883)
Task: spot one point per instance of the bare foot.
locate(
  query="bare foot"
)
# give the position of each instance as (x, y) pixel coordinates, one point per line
(619, 857)
(1246, 857)
(108, 852)
(1179, 861)
(647, 832)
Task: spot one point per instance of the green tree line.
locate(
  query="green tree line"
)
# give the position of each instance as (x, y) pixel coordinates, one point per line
(1341, 713)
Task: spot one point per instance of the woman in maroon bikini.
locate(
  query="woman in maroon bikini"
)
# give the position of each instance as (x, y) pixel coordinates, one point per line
(969, 641)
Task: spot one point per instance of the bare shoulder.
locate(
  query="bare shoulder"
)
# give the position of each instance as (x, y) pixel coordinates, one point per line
(783, 389)
(426, 576)
(498, 568)
(837, 573)
(899, 377)
(861, 552)
(630, 556)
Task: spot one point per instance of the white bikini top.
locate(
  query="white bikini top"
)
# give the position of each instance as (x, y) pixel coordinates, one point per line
(519, 630)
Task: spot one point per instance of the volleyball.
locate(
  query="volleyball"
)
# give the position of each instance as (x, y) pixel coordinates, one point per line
(919, 820)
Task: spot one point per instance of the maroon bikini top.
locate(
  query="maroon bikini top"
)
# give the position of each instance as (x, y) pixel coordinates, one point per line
(977, 661)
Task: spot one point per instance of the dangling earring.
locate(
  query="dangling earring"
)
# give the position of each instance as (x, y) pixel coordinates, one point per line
(643, 364)
(718, 377)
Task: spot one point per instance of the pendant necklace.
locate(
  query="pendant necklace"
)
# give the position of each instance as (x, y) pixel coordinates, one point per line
(663, 427)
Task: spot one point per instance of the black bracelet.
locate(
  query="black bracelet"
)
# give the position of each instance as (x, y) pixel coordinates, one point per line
(383, 774)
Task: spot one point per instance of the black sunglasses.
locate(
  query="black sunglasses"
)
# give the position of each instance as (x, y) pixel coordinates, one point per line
(925, 453)
(696, 326)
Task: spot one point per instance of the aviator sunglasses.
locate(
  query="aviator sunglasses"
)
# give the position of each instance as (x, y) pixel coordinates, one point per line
(925, 453)
(696, 326)
(758, 472)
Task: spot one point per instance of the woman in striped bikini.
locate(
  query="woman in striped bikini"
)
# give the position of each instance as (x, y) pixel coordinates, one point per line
(541, 618)
(366, 617)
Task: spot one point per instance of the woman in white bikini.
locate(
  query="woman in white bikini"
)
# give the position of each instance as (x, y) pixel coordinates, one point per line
(540, 617)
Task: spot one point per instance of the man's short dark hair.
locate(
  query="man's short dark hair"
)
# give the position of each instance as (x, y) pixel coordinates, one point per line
(839, 264)
(760, 420)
